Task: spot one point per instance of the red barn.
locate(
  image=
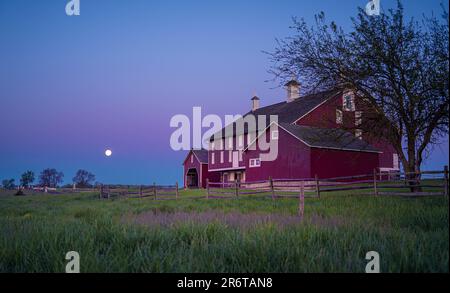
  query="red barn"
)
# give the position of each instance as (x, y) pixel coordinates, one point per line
(310, 137)
(196, 169)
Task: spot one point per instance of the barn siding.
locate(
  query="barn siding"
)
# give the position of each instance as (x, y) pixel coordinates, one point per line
(386, 158)
(328, 163)
(293, 161)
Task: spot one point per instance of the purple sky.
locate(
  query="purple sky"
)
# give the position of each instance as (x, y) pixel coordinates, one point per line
(70, 87)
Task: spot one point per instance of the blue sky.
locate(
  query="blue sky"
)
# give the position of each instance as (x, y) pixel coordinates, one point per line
(114, 76)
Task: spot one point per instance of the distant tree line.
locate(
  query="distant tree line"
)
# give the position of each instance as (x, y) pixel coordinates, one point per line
(50, 177)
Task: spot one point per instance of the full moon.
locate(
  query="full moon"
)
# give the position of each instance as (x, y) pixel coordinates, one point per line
(108, 153)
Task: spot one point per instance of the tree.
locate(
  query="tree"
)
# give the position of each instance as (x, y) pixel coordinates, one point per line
(50, 178)
(398, 68)
(8, 184)
(83, 178)
(27, 179)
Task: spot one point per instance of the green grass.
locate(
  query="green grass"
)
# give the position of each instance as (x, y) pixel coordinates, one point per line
(410, 234)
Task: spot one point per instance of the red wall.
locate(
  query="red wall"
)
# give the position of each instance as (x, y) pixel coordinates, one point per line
(387, 157)
(327, 163)
(324, 116)
(293, 161)
(212, 176)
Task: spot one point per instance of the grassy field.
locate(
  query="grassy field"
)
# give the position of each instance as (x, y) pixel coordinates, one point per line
(227, 235)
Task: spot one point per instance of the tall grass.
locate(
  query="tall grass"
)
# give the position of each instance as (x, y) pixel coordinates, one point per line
(411, 235)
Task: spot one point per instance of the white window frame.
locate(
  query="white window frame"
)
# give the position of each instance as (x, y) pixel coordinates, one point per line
(230, 143)
(358, 118)
(352, 102)
(275, 135)
(339, 117)
(249, 138)
(230, 156)
(241, 141)
(255, 163)
(221, 157)
(213, 145)
(213, 158)
(359, 134)
(396, 162)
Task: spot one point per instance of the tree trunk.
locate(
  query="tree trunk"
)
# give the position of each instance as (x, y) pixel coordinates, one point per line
(413, 169)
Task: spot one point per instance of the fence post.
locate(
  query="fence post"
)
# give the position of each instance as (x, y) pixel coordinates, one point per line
(301, 207)
(271, 188)
(176, 192)
(317, 186)
(154, 190)
(100, 196)
(140, 191)
(446, 180)
(375, 189)
(207, 188)
(236, 188)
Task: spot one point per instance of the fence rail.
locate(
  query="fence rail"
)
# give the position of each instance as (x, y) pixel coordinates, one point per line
(157, 192)
(380, 183)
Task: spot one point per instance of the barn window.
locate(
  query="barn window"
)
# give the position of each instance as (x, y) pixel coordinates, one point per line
(339, 117)
(275, 135)
(358, 133)
(230, 156)
(349, 102)
(396, 162)
(192, 158)
(221, 157)
(358, 118)
(213, 158)
(255, 163)
(241, 140)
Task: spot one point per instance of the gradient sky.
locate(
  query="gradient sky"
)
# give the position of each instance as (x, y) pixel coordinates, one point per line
(113, 77)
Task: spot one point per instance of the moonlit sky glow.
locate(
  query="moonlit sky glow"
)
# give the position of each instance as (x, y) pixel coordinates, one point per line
(114, 76)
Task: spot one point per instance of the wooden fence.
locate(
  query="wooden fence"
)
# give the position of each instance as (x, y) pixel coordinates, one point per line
(157, 192)
(426, 183)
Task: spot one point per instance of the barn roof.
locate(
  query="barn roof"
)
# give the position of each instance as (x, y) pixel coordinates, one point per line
(286, 112)
(328, 138)
(201, 155)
